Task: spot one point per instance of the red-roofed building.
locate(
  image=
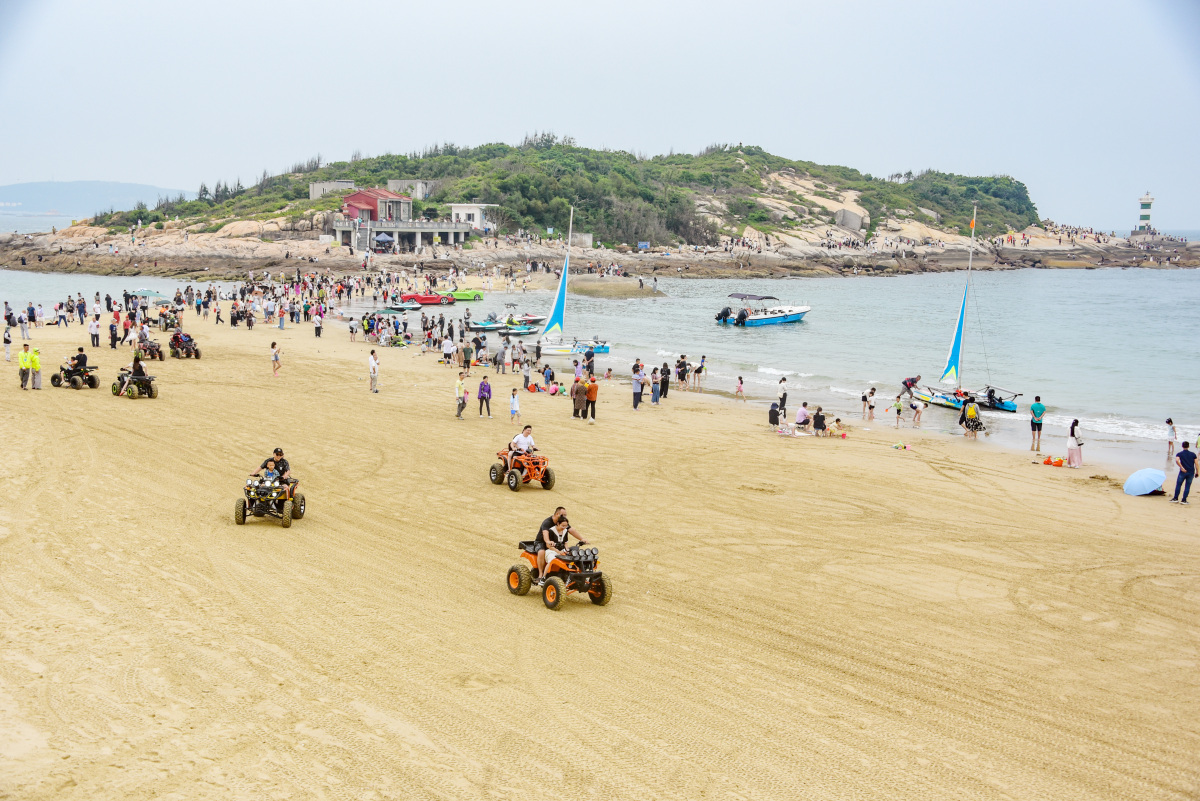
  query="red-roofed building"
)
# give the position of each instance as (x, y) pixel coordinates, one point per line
(377, 205)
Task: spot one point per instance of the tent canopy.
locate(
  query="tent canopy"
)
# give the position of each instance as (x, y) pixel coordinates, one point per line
(382, 237)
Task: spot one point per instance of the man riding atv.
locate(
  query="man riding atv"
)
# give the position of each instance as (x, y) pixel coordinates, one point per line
(279, 464)
(78, 361)
(521, 443)
(552, 539)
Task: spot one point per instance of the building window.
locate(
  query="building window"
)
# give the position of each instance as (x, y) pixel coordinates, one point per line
(470, 217)
(1144, 217)
(1145, 205)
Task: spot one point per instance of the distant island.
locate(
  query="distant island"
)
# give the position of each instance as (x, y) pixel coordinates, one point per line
(80, 199)
(728, 208)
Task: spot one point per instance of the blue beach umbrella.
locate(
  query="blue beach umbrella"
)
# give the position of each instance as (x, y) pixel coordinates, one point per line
(1144, 482)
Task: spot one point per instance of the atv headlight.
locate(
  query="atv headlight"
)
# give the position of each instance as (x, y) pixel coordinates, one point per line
(249, 482)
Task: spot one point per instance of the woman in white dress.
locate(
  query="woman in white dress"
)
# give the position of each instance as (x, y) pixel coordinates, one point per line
(1074, 446)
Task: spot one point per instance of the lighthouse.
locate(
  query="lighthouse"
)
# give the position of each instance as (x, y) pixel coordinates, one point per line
(1144, 214)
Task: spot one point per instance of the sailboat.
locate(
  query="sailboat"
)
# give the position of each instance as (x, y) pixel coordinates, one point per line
(551, 338)
(990, 397)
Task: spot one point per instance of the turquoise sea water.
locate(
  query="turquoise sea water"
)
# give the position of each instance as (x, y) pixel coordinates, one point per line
(1115, 348)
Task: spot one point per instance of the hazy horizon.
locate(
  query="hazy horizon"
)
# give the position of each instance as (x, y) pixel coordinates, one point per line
(1066, 98)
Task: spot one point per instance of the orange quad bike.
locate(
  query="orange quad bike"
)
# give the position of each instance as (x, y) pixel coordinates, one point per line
(523, 468)
(576, 571)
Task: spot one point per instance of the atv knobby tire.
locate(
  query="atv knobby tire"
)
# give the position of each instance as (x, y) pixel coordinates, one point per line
(93, 382)
(174, 353)
(197, 353)
(239, 511)
(116, 388)
(519, 579)
(601, 595)
(131, 391)
(513, 479)
(554, 593)
(548, 481)
(288, 508)
(76, 382)
(496, 473)
(153, 391)
(299, 507)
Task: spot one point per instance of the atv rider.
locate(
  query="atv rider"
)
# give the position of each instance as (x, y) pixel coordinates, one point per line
(279, 464)
(78, 361)
(552, 539)
(521, 443)
(135, 370)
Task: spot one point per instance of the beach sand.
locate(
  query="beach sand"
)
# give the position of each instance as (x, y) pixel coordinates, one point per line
(792, 618)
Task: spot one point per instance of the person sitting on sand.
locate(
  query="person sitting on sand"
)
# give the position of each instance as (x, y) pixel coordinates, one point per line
(818, 423)
(803, 419)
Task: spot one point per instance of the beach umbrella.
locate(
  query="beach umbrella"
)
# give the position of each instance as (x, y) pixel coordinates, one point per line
(147, 293)
(1144, 482)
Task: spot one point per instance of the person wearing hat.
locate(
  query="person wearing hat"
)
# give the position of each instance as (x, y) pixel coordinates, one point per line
(37, 368)
(281, 465)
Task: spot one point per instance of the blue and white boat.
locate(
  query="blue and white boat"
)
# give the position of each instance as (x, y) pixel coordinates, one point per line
(989, 397)
(750, 317)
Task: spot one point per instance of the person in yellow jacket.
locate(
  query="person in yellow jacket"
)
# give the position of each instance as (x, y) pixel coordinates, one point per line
(37, 368)
(25, 365)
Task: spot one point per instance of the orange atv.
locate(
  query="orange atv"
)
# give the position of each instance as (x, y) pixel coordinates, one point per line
(574, 571)
(522, 468)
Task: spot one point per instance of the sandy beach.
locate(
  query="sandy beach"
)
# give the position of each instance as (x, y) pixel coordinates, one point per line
(792, 618)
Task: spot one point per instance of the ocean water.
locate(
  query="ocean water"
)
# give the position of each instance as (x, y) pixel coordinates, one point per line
(1115, 348)
(31, 223)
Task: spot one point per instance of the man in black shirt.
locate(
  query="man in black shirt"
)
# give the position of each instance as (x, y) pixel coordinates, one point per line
(553, 537)
(281, 465)
(79, 360)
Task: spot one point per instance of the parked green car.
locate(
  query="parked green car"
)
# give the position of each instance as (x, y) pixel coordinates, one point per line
(464, 294)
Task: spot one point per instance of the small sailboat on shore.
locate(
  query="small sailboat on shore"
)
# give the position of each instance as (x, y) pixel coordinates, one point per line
(989, 397)
(552, 339)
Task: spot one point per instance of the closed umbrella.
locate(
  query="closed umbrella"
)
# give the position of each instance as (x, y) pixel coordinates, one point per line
(1144, 482)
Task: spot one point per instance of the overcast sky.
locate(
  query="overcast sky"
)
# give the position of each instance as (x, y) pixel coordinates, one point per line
(1089, 103)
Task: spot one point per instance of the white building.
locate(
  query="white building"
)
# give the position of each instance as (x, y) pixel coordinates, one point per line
(322, 188)
(474, 214)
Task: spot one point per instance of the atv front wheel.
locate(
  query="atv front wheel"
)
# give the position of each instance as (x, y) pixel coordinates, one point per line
(496, 473)
(514, 480)
(116, 388)
(131, 391)
(93, 382)
(601, 591)
(298, 506)
(554, 593)
(239, 511)
(197, 353)
(174, 353)
(161, 358)
(288, 508)
(56, 380)
(153, 391)
(548, 479)
(519, 579)
(76, 382)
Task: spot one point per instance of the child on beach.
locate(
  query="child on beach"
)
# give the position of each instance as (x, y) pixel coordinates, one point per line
(514, 405)
(738, 391)
(276, 352)
(899, 407)
(917, 407)
(608, 374)
(869, 407)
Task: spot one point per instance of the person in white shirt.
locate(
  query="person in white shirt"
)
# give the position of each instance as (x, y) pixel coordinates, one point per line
(373, 367)
(521, 443)
(94, 330)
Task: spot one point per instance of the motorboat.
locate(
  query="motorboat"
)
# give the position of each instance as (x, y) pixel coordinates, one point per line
(524, 319)
(403, 307)
(751, 316)
(562, 347)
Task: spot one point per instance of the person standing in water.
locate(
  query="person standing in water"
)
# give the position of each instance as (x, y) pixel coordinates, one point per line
(1037, 412)
(1172, 435)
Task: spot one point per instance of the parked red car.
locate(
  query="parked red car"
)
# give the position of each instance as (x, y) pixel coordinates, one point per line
(427, 300)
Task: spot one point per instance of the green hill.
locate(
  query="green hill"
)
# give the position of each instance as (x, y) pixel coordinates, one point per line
(620, 196)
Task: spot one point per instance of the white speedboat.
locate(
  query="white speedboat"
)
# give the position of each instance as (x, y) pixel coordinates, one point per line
(750, 317)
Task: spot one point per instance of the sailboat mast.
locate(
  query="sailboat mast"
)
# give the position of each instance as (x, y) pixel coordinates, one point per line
(970, 259)
(570, 228)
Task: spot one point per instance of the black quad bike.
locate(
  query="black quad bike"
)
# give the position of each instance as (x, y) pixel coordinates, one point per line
(275, 498)
(150, 349)
(576, 571)
(139, 386)
(75, 378)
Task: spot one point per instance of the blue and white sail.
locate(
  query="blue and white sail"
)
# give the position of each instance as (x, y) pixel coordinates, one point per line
(954, 357)
(554, 323)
